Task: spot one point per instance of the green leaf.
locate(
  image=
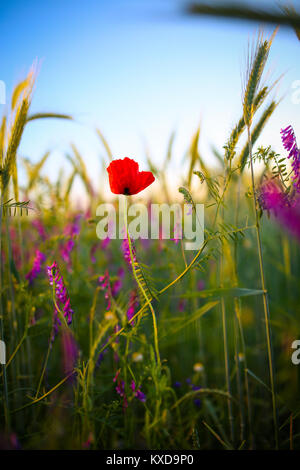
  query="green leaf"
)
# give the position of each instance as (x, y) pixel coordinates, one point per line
(222, 292)
(184, 321)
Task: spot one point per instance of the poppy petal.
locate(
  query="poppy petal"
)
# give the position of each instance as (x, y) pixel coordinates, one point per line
(145, 178)
(125, 177)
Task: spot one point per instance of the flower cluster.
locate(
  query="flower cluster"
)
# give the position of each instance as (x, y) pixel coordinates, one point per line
(290, 144)
(111, 291)
(126, 252)
(271, 197)
(62, 298)
(120, 389)
(137, 392)
(283, 205)
(133, 303)
(70, 231)
(118, 284)
(190, 385)
(37, 223)
(37, 266)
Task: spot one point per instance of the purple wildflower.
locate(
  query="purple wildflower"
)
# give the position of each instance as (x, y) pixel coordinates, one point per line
(62, 297)
(66, 249)
(93, 250)
(126, 251)
(285, 209)
(196, 387)
(290, 144)
(182, 305)
(105, 243)
(289, 217)
(118, 284)
(198, 402)
(271, 196)
(73, 228)
(120, 388)
(90, 440)
(133, 303)
(9, 441)
(37, 266)
(40, 228)
(104, 284)
(70, 231)
(137, 392)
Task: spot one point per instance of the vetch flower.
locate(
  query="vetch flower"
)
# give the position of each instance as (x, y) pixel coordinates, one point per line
(177, 384)
(93, 251)
(104, 284)
(73, 228)
(182, 305)
(290, 144)
(126, 251)
(70, 231)
(286, 209)
(66, 249)
(40, 228)
(61, 297)
(133, 303)
(137, 392)
(37, 266)
(120, 388)
(118, 284)
(271, 196)
(125, 177)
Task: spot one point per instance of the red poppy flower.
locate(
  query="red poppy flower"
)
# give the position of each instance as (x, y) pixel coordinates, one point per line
(125, 177)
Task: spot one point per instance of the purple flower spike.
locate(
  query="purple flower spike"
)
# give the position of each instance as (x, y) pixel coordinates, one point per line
(104, 284)
(137, 392)
(140, 396)
(105, 243)
(118, 284)
(133, 303)
(290, 144)
(71, 230)
(93, 251)
(37, 266)
(62, 298)
(271, 197)
(126, 252)
(40, 228)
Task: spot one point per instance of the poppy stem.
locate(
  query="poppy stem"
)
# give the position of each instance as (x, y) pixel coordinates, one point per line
(148, 301)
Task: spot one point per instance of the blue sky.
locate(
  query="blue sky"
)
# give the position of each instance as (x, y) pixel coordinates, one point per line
(138, 70)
